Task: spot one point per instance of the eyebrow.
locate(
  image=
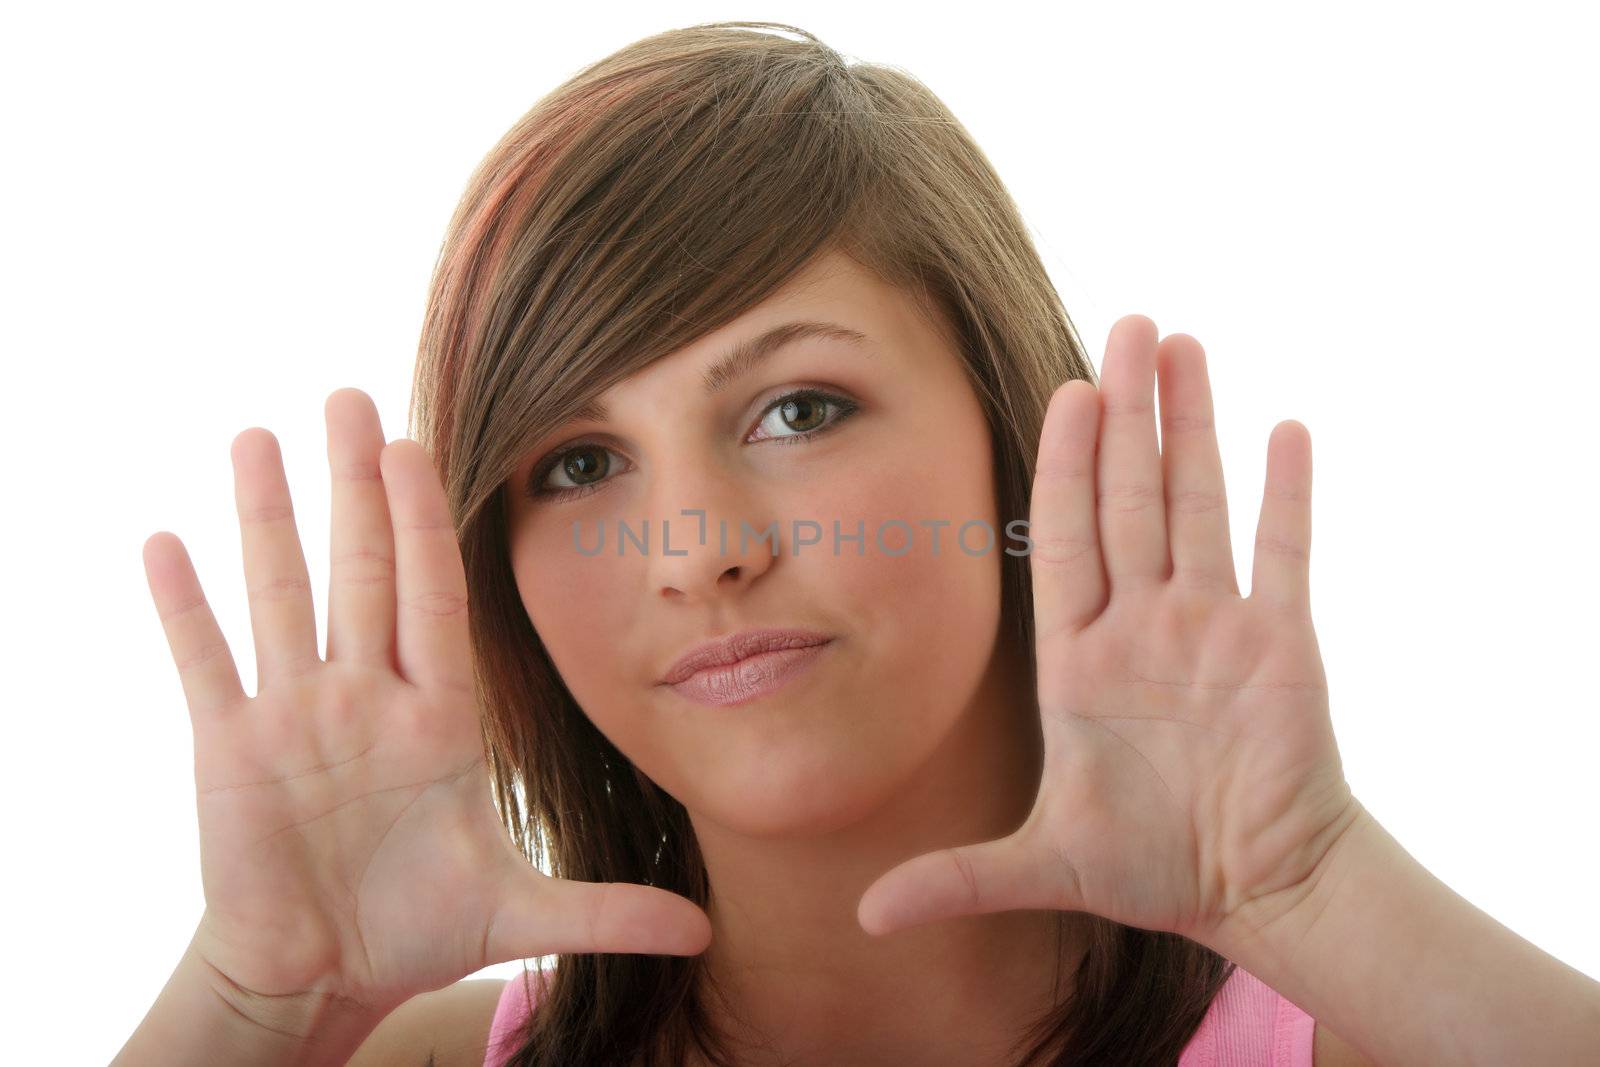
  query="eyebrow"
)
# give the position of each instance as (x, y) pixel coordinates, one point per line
(748, 354)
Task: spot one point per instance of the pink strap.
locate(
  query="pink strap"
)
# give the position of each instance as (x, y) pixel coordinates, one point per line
(1248, 1025)
(510, 1013)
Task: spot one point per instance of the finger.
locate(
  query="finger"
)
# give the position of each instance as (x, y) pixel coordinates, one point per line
(542, 916)
(361, 578)
(1069, 582)
(1196, 500)
(205, 664)
(1133, 520)
(432, 640)
(1004, 875)
(1282, 571)
(282, 617)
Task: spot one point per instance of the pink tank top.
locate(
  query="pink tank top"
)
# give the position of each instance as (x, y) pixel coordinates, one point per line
(1247, 1025)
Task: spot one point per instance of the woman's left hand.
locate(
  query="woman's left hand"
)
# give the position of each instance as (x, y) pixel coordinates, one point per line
(1190, 767)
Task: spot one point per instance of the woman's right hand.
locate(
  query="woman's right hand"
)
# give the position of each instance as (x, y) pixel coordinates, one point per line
(349, 843)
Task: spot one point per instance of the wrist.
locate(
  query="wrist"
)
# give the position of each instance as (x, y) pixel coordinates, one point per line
(1275, 922)
(203, 1017)
(1405, 969)
(324, 1023)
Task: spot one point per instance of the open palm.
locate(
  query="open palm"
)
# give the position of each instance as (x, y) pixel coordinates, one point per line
(349, 842)
(1190, 764)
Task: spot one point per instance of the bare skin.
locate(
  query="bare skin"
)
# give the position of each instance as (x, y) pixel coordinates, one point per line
(918, 731)
(350, 851)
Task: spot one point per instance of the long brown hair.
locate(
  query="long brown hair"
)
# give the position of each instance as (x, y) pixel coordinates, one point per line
(652, 197)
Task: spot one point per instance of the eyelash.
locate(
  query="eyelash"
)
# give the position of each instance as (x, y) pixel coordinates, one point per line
(845, 408)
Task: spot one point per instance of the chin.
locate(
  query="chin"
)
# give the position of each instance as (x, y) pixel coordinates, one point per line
(795, 791)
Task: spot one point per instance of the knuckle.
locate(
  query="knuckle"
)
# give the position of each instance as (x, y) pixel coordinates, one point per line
(201, 656)
(1061, 472)
(1179, 423)
(438, 605)
(1277, 546)
(968, 876)
(285, 587)
(1197, 502)
(594, 910)
(1288, 494)
(183, 609)
(1059, 551)
(1129, 497)
(1200, 579)
(356, 470)
(377, 566)
(266, 514)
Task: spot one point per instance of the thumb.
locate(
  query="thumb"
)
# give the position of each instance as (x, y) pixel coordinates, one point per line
(1003, 875)
(541, 916)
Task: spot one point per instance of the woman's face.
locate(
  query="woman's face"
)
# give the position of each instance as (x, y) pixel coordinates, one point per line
(913, 629)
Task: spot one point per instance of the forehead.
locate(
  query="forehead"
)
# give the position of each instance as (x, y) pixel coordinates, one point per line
(832, 301)
(830, 285)
(828, 272)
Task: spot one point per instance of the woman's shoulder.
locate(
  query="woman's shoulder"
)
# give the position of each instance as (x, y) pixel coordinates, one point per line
(512, 1008)
(1249, 1024)
(448, 1027)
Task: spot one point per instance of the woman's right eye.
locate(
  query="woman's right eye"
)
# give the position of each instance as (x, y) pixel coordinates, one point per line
(577, 463)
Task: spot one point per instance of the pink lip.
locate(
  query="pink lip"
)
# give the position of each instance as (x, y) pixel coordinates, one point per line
(732, 649)
(750, 678)
(745, 665)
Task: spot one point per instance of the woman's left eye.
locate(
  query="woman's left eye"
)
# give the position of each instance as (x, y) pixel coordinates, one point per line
(803, 410)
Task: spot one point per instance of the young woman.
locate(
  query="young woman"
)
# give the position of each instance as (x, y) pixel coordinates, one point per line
(829, 758)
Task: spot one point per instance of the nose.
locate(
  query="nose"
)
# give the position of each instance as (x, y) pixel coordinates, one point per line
(712, 539)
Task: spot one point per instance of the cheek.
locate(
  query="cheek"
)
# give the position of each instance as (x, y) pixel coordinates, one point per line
(929, 616)
(921, 487)
(579, 606)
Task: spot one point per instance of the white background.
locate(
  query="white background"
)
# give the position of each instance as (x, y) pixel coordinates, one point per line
(1379, 219)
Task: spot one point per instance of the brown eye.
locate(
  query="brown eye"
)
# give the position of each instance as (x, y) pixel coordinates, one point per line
(802, 414)
(583, 465)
